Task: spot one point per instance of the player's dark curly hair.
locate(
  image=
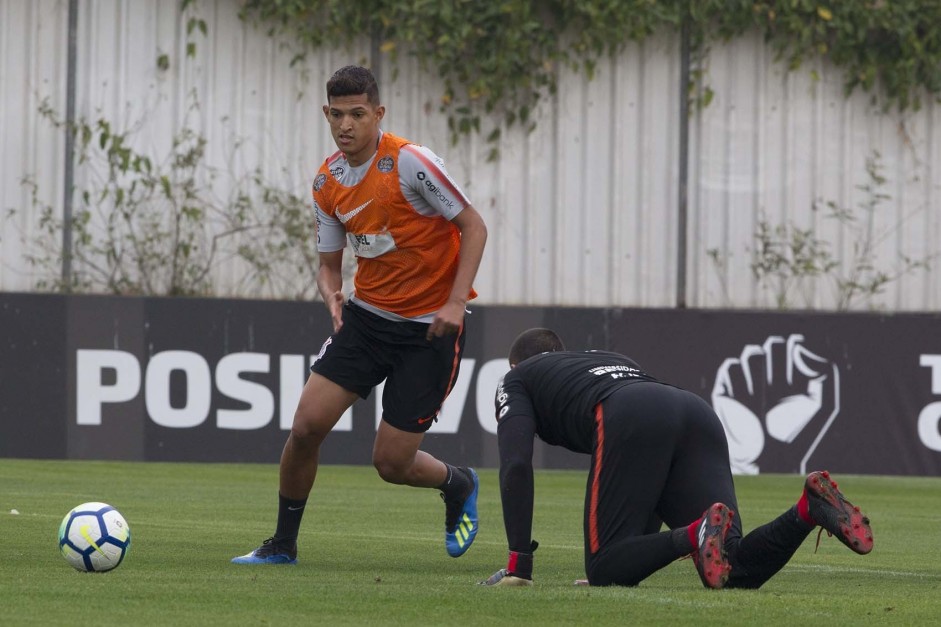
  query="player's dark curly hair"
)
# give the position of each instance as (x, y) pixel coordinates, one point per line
(353, 80)
(533, 342)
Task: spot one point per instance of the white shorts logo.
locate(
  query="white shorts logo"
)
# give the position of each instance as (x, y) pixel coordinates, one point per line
(323, 349)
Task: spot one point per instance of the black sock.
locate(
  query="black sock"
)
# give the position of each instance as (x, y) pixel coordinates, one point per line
(681, 541)
(290, 512)
(766, 549)
(457, 484)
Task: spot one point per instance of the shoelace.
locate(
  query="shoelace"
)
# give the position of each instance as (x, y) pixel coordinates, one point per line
(820, 533)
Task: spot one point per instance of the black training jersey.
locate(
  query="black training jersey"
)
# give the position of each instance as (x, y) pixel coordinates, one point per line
(560, 390)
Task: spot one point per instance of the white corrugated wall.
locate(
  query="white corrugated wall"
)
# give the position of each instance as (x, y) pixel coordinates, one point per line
(773, 145)
(33, 58)
(582, 211)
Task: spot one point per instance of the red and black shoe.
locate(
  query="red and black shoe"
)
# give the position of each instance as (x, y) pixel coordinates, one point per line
(829, 508)
(710, 557)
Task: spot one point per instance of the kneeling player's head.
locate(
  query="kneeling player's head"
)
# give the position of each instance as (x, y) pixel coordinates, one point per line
(533, 342)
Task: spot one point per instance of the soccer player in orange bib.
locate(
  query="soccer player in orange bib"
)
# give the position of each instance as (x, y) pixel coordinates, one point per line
(418, 242)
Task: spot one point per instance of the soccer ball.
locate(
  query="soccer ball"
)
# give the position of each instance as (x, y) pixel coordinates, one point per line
(94, 537)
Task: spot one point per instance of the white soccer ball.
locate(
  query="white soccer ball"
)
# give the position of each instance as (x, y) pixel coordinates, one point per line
(94, 537)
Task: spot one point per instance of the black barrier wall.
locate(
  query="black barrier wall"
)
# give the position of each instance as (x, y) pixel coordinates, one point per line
(212, 380)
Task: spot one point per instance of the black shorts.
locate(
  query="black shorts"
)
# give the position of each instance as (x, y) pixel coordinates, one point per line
(419, 374)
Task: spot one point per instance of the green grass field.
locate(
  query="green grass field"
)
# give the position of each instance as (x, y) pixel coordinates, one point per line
(373, 554)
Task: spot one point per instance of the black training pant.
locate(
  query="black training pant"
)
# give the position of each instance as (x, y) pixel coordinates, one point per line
(660, 456)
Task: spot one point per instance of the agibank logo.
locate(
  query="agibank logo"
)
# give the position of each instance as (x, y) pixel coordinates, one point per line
(776, 400)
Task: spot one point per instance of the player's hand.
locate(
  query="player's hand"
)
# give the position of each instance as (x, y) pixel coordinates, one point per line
(518, 571)
(503, 577)
(335, 307)
(447, 321)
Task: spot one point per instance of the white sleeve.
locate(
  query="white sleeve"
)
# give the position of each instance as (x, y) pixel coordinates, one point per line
(426, 183)
(331, 236)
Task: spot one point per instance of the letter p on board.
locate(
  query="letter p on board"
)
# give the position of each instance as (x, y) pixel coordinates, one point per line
(91, 393)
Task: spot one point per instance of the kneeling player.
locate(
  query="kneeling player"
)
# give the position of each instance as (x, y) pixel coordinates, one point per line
(658, 455)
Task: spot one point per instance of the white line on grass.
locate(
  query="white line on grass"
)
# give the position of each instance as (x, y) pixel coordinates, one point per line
(873, 571)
